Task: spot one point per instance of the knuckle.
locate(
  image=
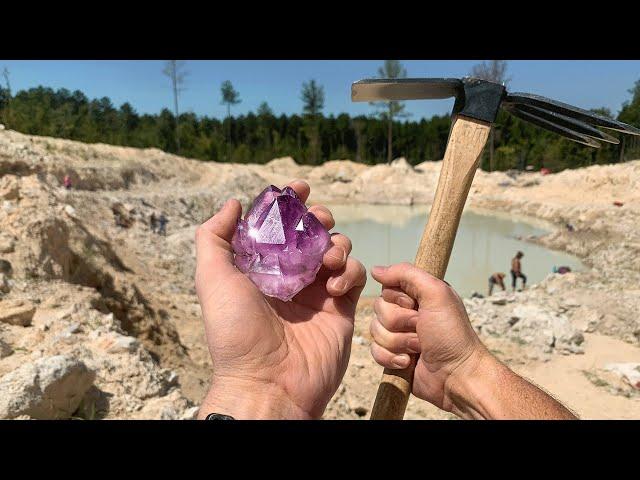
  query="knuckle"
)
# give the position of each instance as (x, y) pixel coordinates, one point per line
(405, 266)
(441, 289)
(373, 328)
(377, 305)
(414, 275)
(335, 255)
(397, 342)
(377, 354)
(398, 323)
(360, 269)
(343, 241)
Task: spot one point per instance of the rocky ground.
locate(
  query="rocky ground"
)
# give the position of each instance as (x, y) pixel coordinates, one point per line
(99, 318)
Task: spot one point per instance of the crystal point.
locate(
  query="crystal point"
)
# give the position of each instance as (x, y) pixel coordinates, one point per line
(279, 245)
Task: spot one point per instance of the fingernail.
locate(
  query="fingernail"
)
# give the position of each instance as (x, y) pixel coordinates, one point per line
(338, 253)
(338, 284)
(379, 269)
(401, 361)
(413, 344)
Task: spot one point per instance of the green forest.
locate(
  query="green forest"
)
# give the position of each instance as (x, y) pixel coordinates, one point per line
(309, 137)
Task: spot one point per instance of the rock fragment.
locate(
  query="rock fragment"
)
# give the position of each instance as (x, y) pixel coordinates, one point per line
(16, 313)
(46, 389)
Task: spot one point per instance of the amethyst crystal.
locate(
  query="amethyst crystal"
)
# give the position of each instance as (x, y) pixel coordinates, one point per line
(279, 245)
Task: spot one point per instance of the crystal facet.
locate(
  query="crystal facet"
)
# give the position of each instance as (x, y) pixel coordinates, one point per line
(278, 244)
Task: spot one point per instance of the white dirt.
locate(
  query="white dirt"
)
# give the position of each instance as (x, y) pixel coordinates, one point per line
(122, 300)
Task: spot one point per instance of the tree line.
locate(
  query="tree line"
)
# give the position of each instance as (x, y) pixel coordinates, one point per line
(310, 137)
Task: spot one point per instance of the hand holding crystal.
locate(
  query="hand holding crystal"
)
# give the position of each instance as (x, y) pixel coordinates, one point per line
(271, 358)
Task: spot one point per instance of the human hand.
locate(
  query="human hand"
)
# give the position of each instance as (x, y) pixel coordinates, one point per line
(419, 314)
(274, 359)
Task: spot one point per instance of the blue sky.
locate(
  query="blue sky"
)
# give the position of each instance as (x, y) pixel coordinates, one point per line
(588, 84)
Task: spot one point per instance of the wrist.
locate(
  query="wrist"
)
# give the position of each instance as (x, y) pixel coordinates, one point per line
(471, 387)
(249, 400)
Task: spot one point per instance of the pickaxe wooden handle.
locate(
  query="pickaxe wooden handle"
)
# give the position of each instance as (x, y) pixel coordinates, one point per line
(467, 139)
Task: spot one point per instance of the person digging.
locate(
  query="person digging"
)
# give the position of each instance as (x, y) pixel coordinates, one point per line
(516, 271)
(496, 279)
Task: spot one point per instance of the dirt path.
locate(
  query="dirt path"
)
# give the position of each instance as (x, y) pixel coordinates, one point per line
(564, 377)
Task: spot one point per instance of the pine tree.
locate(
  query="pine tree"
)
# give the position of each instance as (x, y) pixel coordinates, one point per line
(387, 111)
(312, 104)
(7, 100)
(229, 97)
(174, 69)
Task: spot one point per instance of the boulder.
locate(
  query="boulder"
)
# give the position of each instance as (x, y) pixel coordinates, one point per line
(48, 388)
(628, 372)
(586, 319)
(7, 243)
(5, 349)
(532, 324)
(172, 406)
(114, 342)
(402, 165)
(5, 283)
(16, 313)
(9, 187)
(283, 164)
(5, 267)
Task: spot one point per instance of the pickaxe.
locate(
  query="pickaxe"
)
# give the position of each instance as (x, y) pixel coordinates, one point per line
(476, 107)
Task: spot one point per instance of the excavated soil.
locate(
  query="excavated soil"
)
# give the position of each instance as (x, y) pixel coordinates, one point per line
(82, 275)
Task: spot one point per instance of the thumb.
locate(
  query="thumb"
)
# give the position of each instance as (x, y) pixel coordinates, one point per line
(214, 255)
(412, 280)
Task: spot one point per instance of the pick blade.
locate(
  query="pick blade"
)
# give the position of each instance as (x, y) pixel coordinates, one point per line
(386, 89)
(571, 111)
(567, 122)
(552, 127)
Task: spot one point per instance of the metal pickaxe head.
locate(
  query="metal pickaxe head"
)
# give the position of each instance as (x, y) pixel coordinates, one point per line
(481, 100)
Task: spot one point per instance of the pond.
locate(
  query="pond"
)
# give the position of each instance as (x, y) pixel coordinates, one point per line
(485, 244)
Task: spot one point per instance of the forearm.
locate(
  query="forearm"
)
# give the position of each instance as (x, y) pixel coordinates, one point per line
(488, 389)
(246, 400)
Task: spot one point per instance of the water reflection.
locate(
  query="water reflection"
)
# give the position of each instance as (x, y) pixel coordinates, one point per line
(385, 234)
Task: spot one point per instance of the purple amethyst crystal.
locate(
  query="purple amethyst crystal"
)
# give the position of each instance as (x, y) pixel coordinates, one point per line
(279, 245)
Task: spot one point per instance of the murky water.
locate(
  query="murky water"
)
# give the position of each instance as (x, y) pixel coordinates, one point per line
(486, 243)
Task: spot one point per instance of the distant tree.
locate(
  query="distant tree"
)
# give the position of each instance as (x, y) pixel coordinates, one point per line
(358, 124)
(129, 121)
(312, 98)
(5, 74)
(229, 97)
(174, 69)
(312, 104)
(630, 113)
(387, 111)
(265, 121)
(492, 71)
(264, 110)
